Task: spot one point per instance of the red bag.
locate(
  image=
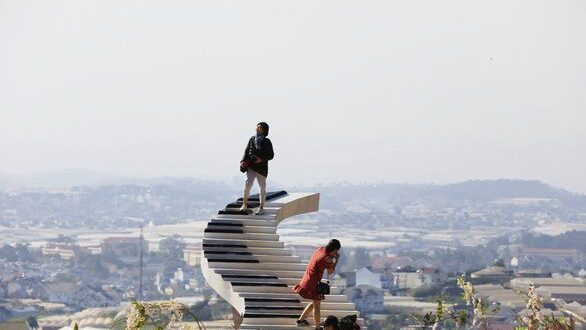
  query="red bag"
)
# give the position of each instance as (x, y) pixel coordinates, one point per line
(244, 166)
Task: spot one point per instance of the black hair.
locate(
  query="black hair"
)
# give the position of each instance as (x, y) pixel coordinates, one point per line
(333, 244)
(265, 127)
(331, 320)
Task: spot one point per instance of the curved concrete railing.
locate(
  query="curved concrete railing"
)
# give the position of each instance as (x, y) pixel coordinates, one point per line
(247, 265)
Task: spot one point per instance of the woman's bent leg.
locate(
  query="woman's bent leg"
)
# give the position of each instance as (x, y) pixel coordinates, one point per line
(306, 311)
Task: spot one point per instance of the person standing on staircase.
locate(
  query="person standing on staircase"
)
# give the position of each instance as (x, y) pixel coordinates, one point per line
(325, 257)
(255, 162)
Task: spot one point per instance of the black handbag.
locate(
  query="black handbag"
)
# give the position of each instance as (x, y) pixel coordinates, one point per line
(324, 287)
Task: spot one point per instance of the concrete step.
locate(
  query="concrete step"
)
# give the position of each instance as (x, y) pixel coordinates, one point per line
(261, 300)
(273, 309)
(252, 216)
(257, 266)
(273, 304)
(278, 273)
(260, 289)
(270, 196)
(272, 289)
(282, 319)
(246, 286)
(269, 210)
(290, 281)
(245, 222)
(279, 259)
(292, 311)
(350, 308)
(292, 296)
(245, 229)
(253, 251)
(243, 242)
(268, 207)
(229, 256)
(224, 230)
(341, 306)
(269, 251)
(243, 237)
(250, 256)
(259, 230)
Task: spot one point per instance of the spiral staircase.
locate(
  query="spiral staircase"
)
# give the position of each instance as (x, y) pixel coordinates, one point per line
(247, 265)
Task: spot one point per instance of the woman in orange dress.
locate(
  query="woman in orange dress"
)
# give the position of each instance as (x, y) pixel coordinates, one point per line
(323, 258)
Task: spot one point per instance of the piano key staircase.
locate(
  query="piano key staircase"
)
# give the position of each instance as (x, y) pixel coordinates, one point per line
(247, 265)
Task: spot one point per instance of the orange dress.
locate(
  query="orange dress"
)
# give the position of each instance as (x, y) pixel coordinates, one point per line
(319, 262)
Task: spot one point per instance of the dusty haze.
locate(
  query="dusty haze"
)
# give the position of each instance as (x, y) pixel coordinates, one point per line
(417, 91)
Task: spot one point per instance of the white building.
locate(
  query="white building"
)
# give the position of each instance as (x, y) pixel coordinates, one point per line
(192, 255)
(367, 276)
(179, 276)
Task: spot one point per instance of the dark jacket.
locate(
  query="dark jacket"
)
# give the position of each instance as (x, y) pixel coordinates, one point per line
(264, 152)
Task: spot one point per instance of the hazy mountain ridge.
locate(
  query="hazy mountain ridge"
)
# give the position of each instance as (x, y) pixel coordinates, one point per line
(482, 190)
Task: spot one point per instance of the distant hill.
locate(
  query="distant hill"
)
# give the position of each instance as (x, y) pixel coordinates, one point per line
(496, 189)
(474, 190)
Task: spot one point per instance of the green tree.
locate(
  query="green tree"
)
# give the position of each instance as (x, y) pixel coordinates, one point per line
(172, 247)
(360, 258)
(8, 252)
(500, 263)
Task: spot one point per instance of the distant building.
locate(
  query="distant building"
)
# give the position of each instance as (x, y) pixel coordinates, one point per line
(344, 280)
(65, 252)
(368, 299)
(61, 292)
(493, 274)
(411, 277)
(192, 255)
(535, 273)
(564, 287)
(407, 278)
(431, 275)
(367, 276)
(94, 249)
(534, 254)
(372, 277)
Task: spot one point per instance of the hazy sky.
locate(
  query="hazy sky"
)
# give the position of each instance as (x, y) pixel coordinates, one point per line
(400, 91)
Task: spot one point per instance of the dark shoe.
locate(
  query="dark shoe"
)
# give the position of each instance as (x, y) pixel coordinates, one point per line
(302, 323)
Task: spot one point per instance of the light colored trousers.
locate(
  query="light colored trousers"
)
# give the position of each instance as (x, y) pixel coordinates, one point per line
(262, 183)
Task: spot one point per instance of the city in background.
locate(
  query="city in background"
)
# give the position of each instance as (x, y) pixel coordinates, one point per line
(73, 255)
